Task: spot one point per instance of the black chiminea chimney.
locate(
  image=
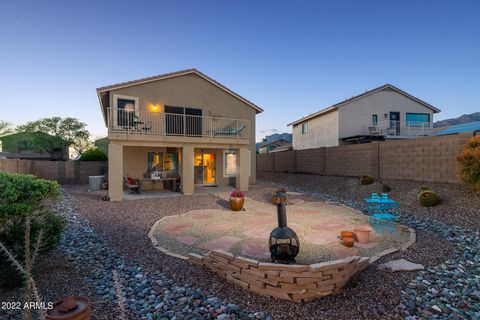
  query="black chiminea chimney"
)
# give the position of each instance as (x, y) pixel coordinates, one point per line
(283, 242)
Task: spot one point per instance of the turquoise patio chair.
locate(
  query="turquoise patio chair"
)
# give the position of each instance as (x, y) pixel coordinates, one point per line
(383, 213)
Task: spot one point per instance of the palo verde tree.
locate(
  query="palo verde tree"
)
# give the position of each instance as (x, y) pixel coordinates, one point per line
(55, 134)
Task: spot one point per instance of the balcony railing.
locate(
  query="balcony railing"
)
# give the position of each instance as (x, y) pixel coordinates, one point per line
(401, 129)
(170, 124)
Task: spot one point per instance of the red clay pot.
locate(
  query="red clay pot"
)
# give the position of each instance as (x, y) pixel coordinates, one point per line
(362, 233)
(70, 308)
(347, 234)
(348, 241)
(236, 203)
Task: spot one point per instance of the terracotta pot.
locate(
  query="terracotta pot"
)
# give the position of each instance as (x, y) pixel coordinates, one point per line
(236, 203)
(70, 308)
(348, 241)
(362, 233)
(347, 234)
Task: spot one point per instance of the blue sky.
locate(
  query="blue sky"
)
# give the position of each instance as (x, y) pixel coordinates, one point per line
(290, 57)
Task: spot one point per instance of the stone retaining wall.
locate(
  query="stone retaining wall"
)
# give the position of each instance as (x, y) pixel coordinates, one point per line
(290, 282)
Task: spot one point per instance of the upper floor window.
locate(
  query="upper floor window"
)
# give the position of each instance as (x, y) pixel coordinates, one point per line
(374, 119)
(126, 110)
(418, 119)
(305, 128)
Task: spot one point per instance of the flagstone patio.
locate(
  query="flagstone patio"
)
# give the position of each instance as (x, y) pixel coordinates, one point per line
(317, 224)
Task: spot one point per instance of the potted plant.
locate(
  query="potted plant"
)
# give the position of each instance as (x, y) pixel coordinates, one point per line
(237, 199)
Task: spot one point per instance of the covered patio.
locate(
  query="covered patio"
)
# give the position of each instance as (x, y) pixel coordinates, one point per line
(156, 169)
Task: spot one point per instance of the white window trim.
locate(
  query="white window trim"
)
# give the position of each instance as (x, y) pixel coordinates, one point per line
(225, 175)
(115, 106)
(305, 124)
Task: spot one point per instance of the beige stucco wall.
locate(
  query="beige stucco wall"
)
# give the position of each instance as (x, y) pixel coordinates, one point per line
(193, 91)
(356, 116)
(322, 132)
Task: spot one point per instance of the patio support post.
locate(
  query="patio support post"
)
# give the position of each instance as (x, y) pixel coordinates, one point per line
(187, 170)
(244, 170)
(115, 172)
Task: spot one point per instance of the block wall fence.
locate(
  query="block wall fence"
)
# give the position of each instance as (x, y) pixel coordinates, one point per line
(65, 172)
(431, 159)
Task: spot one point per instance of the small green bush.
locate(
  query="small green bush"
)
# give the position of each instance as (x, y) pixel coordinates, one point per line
(386, 188)
(94, 154)
(424, 188)
(366, 180)
(22, 197)
(428, 198)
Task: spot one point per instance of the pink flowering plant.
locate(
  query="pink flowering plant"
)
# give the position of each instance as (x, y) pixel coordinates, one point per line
(237, 194)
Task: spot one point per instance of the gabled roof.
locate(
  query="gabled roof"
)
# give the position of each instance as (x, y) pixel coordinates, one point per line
(285, 147)
(278, 142)
(102, 92)
(360, 96)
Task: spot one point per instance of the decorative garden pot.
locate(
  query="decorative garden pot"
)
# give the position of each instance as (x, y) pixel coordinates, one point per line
(362, 233)
(236, 203)
(70, 308)
(347, 234)
(348, 241)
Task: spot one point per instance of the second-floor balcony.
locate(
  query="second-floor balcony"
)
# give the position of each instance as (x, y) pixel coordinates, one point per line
(169, 124)
(390, 128)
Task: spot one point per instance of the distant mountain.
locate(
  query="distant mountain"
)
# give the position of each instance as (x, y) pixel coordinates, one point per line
(275, 137)
(466, 118)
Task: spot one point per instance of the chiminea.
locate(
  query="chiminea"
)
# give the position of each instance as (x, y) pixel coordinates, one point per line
(283, 243)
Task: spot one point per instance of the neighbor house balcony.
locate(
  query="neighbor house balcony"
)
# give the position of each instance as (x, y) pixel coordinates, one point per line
(399, 129)
(147, 123)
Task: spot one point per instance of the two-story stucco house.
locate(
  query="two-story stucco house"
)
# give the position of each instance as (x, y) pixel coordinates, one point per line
(383, 113)
(182, 125)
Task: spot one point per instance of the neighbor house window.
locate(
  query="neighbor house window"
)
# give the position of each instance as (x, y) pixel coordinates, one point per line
(230, 163)
(374, 119)
(170, 162)
(305, 128)
(418, 119)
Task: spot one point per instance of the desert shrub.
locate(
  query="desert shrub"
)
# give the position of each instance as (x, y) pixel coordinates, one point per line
(470, 163)
(424, 188)
(94, 154)
(23, 196)
(386, 188)
(365, 180)
(428, 198)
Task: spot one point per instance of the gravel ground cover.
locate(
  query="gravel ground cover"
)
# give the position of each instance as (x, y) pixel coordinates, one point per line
(370, 295)
(459, 205)
(449, 289)
(146, 295)
(57, 279)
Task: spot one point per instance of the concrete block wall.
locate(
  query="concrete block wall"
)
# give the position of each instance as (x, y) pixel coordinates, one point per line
(65, 172)
(310, 161)
(430, 159)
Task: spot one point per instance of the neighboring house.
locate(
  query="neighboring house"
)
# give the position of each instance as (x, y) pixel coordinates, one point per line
(285, 147)
(270, 146)
(382, 113)
(182, 124)
(21, 145)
